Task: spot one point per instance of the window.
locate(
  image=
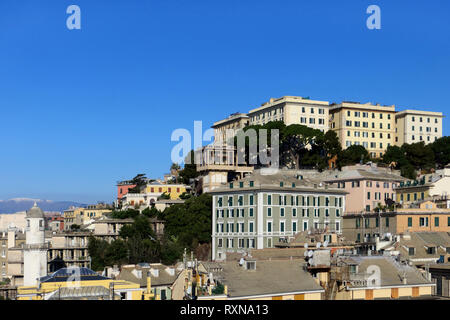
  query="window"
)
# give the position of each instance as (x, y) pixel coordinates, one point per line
(423, 222)
(282, 212)
(294, 212)
(411, 251)
(269, 226)
(250, 213)
(281, 226)
(294, 226)
(436, 221)
(410, 222)
(269, 212)
(387, 222)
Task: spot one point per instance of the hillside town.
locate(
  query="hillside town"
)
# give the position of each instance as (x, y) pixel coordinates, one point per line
(358, 209)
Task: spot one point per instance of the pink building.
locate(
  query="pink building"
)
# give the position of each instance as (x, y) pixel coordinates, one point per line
(367, 186)
(123, 187)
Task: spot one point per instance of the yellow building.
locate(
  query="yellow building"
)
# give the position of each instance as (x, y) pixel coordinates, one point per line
(174, 190)
(378, 278)
(80, 216)
(368, 125)
(83, 284)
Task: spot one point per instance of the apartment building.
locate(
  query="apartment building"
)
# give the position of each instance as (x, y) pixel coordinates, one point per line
(81, 216)
(292, 110)
(256, 211)
(234, 122)
(435, 186)
(379, 278)
(368, 186)
(413, 126)
(368, 125)
(367, 227)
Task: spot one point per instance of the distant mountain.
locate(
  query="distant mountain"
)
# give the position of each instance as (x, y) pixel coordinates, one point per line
(23, 204)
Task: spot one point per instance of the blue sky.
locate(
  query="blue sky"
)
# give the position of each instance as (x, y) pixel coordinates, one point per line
(81, 109)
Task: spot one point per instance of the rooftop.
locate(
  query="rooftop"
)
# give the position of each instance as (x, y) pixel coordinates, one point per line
(290, 179)
(269, 278)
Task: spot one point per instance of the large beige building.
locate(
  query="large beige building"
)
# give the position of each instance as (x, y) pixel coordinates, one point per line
(413, 126)
(292, 110)
(234, 122)
(368, 125)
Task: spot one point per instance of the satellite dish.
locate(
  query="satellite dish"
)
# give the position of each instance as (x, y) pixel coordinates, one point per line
(318, 245)
(310, 253)
(306, 246)
(325, 244)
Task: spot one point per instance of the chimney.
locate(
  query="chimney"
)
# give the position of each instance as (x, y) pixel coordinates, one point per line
(11, 238)
(149, 283)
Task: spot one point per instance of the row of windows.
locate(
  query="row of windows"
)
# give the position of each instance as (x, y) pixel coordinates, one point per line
(369, 184)
(304, 120)
(358, 114)
(420, 119)
(428, 129)
(377, 196)
(368, 224)
(365, 144)
(365, 134)
(364, 124)
(283, 200)
(240, 226)
(240, 213)
(241, 243)
(414, 195)
(423, 222)
(421, 138)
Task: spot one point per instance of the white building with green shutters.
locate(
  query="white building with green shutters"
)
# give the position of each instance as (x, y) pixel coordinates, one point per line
(260, 210)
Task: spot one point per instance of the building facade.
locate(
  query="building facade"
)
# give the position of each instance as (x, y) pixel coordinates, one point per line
(413, 126)
(256, 211)
(292, 110)
(368, 125)
(367, 185)
(367, 227)
(234, 122)
(434, 186)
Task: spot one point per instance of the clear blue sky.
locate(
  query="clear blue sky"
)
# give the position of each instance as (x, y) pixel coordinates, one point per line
(81, 109)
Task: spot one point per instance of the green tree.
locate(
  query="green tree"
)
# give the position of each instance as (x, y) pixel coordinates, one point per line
(125, 214)
(151, 212)
(97, 249)
(190, 169)
(420, 156)
(139, 181)
(190, 221)
(441, 150)
(353, 155)
(296, 139)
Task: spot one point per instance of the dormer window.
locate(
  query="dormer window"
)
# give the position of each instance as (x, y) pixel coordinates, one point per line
(411, 251)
